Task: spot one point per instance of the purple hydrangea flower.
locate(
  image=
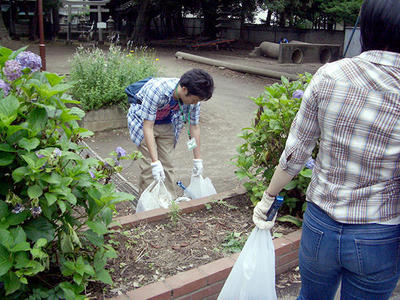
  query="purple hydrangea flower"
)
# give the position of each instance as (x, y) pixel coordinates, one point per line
(12, 69)
(120, 152)
(36, 211)
(18, 208)
(30, 60)
(310, 163)
(92, 174)
(5, 87)
(298, 94)
(57, 152)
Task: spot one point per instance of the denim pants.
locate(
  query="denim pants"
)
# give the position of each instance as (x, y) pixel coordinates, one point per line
(364, 257)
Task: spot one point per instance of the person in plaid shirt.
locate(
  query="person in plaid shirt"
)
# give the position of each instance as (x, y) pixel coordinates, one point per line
(164, 106)
(351, 231)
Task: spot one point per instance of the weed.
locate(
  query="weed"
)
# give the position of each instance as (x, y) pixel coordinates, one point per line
(174, 213)
(234, 242)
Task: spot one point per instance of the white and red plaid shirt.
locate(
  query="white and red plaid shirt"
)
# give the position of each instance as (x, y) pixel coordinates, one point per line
(353, 106)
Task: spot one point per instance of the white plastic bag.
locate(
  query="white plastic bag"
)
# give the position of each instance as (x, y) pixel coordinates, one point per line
(253, 275)
(199, 187)
(154, 196)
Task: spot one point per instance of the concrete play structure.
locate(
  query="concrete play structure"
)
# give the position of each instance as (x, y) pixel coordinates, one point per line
(298, 52)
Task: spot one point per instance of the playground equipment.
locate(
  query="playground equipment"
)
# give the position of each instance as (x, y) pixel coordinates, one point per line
(298, 52)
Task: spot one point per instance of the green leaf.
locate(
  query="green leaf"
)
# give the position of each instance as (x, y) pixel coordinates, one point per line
(94, 238)
(9, 109)
(28, 144)
(7, 148)
(54, 178)
(23, 246)
(15, 219)
(306, 173)
(66, 243)
(39, 228)
(11, 283)
(291, 185)
(61, 205)
(97, 227)
(104, 276)
(6, 158)
(51, 198)
(290, 219)
(19, 173)
(37, 119)
(3, 209)
(53, 79)
(35, 191)
(40, 243)
(5, 261)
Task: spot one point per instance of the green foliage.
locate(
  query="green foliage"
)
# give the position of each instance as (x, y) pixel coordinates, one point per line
(174, 212)
(234, 242)
(101, 77)
(55, 205)
(265, 141)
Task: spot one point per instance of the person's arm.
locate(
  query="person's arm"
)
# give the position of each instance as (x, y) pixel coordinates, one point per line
(195, 133)
(148, 132)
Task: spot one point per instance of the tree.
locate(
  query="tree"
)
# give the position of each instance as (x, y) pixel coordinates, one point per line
(3, 30)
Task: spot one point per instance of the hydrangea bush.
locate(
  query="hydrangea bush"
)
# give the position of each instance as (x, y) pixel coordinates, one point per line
(265, 141)
(102, 76)
(55, 205)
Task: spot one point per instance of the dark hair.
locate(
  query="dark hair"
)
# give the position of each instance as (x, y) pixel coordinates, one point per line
(380, 25)
(198, 83)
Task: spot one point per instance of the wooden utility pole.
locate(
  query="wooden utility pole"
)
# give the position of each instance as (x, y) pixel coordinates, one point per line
(42, 46)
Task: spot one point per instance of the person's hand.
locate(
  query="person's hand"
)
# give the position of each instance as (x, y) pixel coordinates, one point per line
(260, 212)
(197, 167)
(157, 170)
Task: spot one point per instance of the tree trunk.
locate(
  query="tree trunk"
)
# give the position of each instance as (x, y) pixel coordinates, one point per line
(210, 18)
(140, 30)
(3, 30)
(268, 20)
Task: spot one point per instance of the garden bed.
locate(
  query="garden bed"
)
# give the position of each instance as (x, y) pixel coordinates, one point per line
(150, 252)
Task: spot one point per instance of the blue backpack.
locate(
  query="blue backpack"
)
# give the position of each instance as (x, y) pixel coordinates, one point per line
(134, 88)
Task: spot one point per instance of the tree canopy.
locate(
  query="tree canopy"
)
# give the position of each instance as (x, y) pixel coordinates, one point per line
(317, 14)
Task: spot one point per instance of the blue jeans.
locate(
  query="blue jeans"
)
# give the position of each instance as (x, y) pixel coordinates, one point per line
(364, 257)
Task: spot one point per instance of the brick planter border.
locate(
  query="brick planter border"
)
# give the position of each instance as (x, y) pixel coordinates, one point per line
(206, 281)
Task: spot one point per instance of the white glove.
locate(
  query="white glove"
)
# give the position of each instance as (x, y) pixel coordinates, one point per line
(197, 167)
(260, 212)
(157, 170)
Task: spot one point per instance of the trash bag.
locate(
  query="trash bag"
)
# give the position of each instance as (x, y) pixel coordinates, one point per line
(154, 196)
(199, 187)
(253, 275)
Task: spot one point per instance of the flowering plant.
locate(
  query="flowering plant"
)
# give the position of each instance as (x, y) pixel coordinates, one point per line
(265, 141)
(55, 205)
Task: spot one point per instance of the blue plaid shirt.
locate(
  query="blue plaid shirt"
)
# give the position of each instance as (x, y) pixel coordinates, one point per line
(155, 95)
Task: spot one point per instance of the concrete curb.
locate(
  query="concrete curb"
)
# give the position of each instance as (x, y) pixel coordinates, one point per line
(204, 282)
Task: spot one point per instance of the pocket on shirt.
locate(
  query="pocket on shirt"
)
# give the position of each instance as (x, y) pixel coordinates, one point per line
(378, 259)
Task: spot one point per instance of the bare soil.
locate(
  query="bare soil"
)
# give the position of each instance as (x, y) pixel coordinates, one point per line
(150, 252)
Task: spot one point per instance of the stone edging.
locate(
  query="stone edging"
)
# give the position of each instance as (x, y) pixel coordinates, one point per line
(204, 282)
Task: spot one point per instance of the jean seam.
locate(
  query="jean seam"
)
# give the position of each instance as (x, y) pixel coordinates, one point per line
(333, 228)
(318, 245)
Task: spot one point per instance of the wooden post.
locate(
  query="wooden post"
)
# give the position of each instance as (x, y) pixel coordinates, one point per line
(42, 46)
(99, 20)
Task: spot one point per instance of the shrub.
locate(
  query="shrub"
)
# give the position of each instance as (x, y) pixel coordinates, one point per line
(55, 205)
(265, 141)
(101, 77)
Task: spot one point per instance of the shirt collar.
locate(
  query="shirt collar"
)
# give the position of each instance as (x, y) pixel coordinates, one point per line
(387, 58)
